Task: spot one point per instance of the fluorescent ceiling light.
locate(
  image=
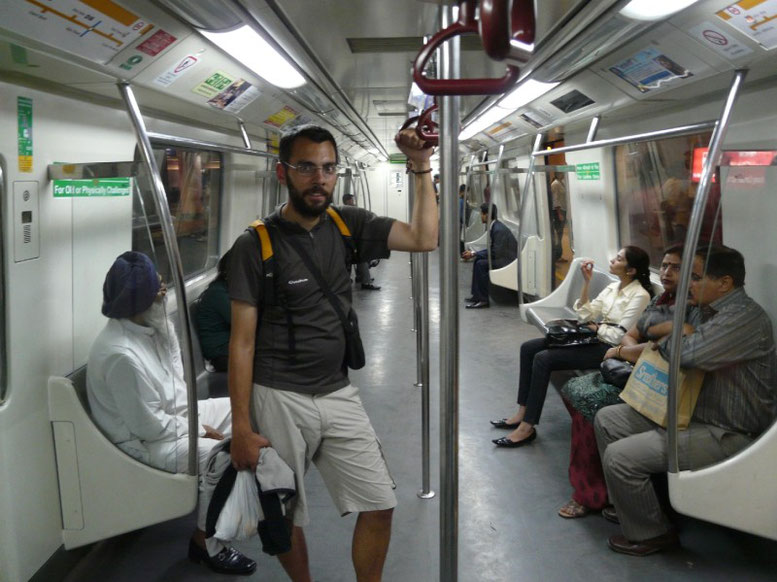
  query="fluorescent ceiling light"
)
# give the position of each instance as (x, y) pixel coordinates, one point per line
(525, 93)
(248, 47)
(489, 118)
(654, 9)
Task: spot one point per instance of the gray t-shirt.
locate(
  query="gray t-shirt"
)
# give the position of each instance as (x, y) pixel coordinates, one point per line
(316, 364)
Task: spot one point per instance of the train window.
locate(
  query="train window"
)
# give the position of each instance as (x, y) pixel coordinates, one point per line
(193, 183)
(656, 186)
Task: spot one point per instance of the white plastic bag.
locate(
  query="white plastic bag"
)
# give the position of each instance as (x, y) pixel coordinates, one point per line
(241, 512)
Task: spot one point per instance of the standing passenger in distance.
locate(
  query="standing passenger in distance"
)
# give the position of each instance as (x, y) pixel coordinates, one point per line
(288, 384)
(558, 214)
(616, 308)
(504, 249)
(464, 214)
(730, 337)
(137, 393)
(362, 267)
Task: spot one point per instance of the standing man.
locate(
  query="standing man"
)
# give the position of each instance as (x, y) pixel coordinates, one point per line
(504, 250)
(287, 380)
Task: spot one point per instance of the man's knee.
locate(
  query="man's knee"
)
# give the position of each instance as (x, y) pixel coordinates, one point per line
(379, 517)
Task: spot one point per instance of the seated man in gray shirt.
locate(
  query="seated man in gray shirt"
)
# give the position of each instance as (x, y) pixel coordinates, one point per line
(729, 336)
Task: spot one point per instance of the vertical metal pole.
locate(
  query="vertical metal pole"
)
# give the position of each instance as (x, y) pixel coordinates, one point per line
(415, 275)
(449, 320)
(592, 129)
(423, 332)
(497, 183)
(691, 240)
(176, 268)
(244, 133)
(528, 189)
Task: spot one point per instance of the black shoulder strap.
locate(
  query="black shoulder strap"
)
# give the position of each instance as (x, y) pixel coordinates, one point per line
(321, 282)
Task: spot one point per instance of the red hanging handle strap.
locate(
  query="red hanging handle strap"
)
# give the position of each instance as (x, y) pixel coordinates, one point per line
(502, 21)
(466, 24)
(425, 128)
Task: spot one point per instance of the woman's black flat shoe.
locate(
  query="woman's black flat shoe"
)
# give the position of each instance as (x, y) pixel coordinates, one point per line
(502, 423)
(227, 561)
(507, 443)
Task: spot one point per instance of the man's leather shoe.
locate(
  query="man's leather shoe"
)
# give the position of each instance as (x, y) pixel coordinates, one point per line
(610, 514)
(370, 287)
(620, 544)
(507, 443)
(470, 299)
(227, 561)
(478, 305)
(502, 423)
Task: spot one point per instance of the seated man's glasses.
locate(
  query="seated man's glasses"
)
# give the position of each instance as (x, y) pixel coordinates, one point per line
(308, 169)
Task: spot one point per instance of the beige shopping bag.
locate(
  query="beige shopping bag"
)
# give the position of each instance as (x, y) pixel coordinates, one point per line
(648, 388)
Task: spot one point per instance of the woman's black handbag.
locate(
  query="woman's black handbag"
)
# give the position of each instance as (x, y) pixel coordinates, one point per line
(563, 333)
(616, 372)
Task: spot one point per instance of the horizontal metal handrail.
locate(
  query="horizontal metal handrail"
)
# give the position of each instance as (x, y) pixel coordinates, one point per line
(637, 137)
(185, 142)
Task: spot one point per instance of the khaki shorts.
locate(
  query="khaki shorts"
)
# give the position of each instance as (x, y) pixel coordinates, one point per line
(334, 432)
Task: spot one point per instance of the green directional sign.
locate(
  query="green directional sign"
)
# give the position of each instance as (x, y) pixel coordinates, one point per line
(96, 187)
(588, 171)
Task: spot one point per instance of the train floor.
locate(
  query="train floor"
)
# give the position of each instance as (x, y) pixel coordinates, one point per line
(508, 527)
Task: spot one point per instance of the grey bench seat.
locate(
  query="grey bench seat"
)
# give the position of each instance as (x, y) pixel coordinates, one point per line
(559, 304)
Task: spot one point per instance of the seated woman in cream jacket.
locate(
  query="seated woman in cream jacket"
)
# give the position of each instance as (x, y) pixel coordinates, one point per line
(611, 313)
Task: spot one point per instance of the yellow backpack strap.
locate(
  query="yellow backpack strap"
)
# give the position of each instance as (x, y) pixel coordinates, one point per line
(341, 226)
(264, 238)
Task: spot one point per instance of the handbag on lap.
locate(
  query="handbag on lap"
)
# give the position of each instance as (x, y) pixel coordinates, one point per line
(569, 332)
(616, 372)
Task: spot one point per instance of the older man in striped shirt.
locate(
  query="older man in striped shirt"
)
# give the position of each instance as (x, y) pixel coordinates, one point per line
(729, 336)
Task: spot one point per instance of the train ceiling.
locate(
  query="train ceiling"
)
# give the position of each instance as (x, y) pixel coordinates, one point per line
(356, 58)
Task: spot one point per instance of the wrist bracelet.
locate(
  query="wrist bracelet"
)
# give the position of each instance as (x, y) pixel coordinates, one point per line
(429, 171)
(618, 352)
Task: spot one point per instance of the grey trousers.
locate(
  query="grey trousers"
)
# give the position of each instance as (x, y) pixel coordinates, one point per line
(632, 448)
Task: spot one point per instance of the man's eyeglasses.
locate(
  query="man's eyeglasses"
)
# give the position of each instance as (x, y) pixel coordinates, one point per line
(308, 169)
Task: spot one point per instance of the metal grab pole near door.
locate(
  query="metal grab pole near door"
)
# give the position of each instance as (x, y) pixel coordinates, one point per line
(691, 241)
(421, 274)
(449, 313)
(176, 267)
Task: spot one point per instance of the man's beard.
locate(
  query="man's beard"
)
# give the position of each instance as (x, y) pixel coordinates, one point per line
(155, 317)
(299, 202)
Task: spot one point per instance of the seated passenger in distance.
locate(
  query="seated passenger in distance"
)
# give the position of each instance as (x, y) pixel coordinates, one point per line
(730, 337)
(137, 391)
(504, 250)
(585, 395)
(617, 308)
(214, 319)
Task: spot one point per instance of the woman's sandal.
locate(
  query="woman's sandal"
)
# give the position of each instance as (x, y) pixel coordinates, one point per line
(572, 509)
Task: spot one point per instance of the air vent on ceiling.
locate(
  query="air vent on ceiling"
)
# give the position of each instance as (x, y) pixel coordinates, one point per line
(391, 107)
(403, 44)
(572, 101)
